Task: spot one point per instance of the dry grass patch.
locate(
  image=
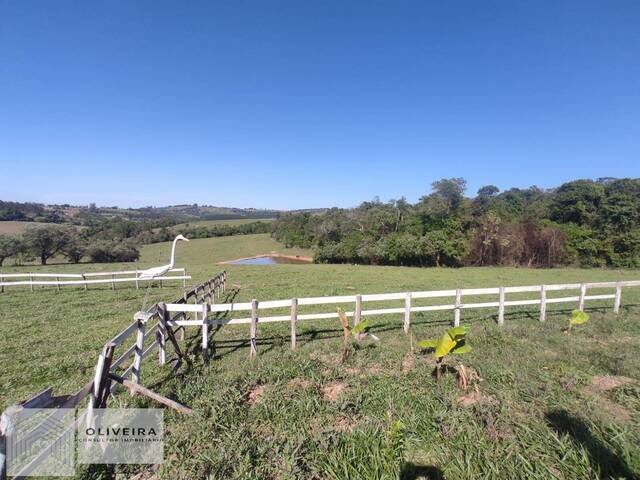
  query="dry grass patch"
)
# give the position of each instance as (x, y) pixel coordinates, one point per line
(254, 395)
(332, 391)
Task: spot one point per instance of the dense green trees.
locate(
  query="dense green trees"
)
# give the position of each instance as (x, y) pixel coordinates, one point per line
(584, 222)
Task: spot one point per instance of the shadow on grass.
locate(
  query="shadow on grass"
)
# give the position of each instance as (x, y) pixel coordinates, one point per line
(601, 457)
(411, 471)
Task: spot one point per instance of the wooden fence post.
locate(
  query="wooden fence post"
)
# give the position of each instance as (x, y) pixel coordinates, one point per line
(137, 281)
(31, 281)
(501, 307)
(162, 333)
(407, 312)
(357, 314)
(294, 320)
(86, 287)
(137, 361)
(113, 284)
(105, 381)
(58, 283)
(456, 308)
(617, 300)
(543, 303)
(253, 351)
(583, 293)
(205, 327)
(184, 280)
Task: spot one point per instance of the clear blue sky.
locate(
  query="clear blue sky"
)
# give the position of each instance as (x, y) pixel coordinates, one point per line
(311, 103)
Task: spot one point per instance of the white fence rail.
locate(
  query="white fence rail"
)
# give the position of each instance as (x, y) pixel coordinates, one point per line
(85, 279)
(457, 306)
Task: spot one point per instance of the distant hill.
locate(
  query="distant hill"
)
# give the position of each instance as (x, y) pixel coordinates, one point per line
(172, 214)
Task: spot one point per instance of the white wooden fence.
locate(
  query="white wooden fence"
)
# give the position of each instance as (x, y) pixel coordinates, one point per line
(85, 279)
(457, 306)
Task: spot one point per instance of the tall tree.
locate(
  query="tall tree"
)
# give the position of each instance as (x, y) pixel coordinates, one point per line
(9, 246)
(45, 242)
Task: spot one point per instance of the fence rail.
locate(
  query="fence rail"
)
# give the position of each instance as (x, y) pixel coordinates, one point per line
(457, 306)
(85, 278)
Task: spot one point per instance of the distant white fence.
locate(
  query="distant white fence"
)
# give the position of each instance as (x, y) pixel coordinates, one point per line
(457, 306)
(86, 279)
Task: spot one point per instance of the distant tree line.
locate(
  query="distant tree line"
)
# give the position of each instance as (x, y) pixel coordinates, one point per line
(585, 223)
(108, 240)
(223, 230)
(41, 243)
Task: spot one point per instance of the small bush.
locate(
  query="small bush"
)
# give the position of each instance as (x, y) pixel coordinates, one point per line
(104, 251)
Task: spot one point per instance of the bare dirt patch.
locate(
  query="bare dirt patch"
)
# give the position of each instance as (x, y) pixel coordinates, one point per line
(332, 391)
(475, 397)
(605, 407)
(254, 395)
(408, 362)
(344, 424)
(608, 382)
(298, 383)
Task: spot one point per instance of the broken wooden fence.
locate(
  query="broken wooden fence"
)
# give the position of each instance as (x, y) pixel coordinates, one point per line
(110, 373)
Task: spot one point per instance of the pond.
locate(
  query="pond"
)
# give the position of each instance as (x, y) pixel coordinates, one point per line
(269, 260)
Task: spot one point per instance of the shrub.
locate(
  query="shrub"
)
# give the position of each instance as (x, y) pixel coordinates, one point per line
(105, 251)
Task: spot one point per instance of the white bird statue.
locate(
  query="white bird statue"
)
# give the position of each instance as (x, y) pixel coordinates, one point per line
(154, 272)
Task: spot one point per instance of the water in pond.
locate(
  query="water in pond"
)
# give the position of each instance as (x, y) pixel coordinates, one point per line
(267, 260)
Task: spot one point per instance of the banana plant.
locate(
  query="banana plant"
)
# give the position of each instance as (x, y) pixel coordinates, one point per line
(578, 317)
(359, 331)
(452, 341)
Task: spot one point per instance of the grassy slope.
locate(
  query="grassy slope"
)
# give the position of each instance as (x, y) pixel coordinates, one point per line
(535, 385)
(211, 223)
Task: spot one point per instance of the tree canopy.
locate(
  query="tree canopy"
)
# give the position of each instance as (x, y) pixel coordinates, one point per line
(583, 222)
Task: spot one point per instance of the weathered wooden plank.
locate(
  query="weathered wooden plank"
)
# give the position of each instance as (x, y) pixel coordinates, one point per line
(456, 311)
(253, 351)
(137, 388)
(162, 333)
(407, 312)
(618, 299)
(294, 320)
(357, 316)
(137, 361)
(583, 293)
(543, 303)
(501, 306)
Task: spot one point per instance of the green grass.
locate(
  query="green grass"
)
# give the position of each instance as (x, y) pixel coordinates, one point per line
(233, 222)
(538, 418)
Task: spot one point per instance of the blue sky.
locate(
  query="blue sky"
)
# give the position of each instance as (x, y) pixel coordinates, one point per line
(311, 103)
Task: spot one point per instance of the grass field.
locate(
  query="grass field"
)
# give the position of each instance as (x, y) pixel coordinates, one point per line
(13, 228)
(550, 405)
(212, 223)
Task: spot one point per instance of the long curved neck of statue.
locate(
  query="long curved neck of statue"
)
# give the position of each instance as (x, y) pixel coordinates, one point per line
(173, 254)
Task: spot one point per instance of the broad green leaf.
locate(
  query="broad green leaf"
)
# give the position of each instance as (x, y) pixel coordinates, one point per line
(428, 343)
(445, 344)
(578, 317)
(464, 348)
(458, 332)
(361, 327)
